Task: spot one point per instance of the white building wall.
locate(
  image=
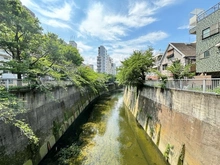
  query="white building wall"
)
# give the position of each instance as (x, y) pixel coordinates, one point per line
(73, 44)
(104, 62)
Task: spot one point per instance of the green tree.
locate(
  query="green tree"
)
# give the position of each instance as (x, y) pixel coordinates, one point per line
(161, 76)
(19, 29)
(72, 54)
(110, 78)
(180, 71)
(47, 60)
(10, 106)
(89, 79)
(133, 69)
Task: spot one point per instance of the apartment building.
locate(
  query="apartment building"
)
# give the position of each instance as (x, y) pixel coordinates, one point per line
(105, 62)
(73, 44)
(5, 75)
(206, 26)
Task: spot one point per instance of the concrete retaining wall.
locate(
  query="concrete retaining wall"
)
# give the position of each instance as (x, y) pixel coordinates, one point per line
(49, 115)
(188, 121)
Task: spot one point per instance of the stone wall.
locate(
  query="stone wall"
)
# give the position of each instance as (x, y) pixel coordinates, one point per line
(49, 115)
(188, 121)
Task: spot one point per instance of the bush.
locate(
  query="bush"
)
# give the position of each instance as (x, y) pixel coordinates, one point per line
(67, 153)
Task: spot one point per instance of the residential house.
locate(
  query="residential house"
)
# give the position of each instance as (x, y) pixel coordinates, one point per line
(185, 53)
(157, 60)
(206, 26)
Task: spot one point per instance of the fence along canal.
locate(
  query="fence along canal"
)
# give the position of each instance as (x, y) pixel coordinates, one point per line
(110, 136)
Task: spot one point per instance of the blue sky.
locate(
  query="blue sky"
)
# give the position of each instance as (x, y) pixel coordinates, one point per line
(122, 26)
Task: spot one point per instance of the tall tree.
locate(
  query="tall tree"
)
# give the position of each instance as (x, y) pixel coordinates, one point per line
(19, 29)
(133, 69)
(89, 79)
(180, 71)
(72, 54)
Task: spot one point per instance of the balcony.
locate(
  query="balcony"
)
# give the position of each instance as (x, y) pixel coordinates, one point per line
(192, 24)
(170, 55)
(192, 30)
(193, 68)
(193, 20)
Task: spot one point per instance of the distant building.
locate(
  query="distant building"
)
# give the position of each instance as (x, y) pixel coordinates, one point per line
(157, 60)
(113, 69)
(73, 43)
(104, 62)
(4, 57)
(91, 66)
(206, 26)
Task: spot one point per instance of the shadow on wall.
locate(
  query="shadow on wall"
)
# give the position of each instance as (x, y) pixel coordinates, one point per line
(147, 106)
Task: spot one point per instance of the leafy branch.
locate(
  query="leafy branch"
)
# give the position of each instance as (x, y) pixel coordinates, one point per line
(10, 107)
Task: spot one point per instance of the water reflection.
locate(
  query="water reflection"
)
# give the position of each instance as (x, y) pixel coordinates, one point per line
(118, 140)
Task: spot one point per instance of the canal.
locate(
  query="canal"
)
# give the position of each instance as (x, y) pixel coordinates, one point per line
(105, 134)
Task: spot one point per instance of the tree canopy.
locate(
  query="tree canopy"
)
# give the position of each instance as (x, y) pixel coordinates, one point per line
(34, 56)
(19, 30)
(133, 69)
(180, 71)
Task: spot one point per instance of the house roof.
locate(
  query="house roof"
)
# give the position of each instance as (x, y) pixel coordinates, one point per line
(185, 49)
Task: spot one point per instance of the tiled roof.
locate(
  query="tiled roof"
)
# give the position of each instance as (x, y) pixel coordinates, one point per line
(186, 49)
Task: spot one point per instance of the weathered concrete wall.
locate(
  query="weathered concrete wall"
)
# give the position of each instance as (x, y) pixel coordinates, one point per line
(179, 118)
(49, 115)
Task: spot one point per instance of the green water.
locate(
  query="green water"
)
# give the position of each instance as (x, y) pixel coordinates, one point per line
(111, 136)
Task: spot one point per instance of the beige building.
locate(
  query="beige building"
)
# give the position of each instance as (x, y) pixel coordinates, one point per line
(185, 53)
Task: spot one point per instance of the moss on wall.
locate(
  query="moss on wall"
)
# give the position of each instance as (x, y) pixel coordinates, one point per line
(48, 118)
(179, 117)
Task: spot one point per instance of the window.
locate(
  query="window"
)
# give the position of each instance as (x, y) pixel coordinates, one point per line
(206, 54)
(164, 66)
(206, 33)
(212, 30)
(10, 81)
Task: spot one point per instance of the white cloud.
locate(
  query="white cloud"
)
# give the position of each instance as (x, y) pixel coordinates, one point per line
(162, 3)
(139, 8)
(97, 24)
(121, 50)
(83, 47)
(107, 25)
(90, 60)
(55, 23)
(148, 38)
(183, 27)
(62, 12)
(51, 1)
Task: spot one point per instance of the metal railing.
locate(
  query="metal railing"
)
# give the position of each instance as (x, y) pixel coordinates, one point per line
(12, 83)
(208, 12)
(200, 85)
